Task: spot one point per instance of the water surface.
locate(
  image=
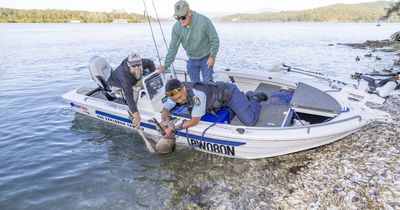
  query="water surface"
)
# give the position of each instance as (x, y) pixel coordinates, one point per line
(52, 158)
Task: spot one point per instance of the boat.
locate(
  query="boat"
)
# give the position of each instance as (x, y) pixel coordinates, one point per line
(120, 21)
(297, 116)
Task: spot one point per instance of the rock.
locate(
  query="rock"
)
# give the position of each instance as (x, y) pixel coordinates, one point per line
(387, 50)
(357, 58)
(395, 36)
(378, 58)
(355, 199)
(331, 45)
(368, 55)
(385, 45)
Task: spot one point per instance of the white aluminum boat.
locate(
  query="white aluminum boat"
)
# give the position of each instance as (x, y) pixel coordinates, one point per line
(296, 117)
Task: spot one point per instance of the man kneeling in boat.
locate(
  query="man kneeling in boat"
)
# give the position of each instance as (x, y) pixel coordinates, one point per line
(125, 81)
(203, 97)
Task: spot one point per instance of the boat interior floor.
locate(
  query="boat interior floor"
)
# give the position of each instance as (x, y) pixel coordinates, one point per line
(272, 114)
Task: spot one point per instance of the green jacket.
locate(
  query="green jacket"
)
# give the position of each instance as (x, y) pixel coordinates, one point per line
(199, 39)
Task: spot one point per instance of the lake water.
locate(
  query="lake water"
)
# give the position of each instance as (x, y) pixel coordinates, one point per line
(52, 158)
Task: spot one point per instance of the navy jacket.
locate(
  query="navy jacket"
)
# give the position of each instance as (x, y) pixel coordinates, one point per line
(121, 77)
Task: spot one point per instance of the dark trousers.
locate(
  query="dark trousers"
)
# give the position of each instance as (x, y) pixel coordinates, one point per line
(247, 111)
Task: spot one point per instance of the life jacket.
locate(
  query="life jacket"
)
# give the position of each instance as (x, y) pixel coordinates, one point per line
(218, 95)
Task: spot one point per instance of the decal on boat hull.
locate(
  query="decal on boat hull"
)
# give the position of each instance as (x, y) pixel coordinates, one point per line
(203, 143)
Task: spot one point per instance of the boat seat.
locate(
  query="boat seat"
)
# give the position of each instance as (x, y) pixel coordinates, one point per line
(100, 70)
(308, 98)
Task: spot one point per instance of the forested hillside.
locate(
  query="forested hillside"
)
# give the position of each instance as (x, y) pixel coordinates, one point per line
(64, 16)
(365, 12)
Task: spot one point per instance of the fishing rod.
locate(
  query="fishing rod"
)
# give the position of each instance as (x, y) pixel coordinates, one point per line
(152, 33)
(165, 41)
(310, 73)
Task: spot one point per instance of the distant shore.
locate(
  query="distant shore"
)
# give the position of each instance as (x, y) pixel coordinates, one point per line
(370, 12)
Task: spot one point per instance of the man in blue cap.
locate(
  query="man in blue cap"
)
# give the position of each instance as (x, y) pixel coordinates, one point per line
(198, 37)
(126, 77)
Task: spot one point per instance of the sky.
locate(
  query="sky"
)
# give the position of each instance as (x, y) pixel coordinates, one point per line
(165, 7)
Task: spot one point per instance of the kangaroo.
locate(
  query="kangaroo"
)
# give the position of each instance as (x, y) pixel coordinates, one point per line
(160, 144)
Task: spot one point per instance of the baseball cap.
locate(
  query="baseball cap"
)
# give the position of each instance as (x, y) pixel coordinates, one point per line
(134, 59)
(181, 8)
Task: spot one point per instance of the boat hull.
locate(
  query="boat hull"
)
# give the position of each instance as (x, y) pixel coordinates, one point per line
(223, 139)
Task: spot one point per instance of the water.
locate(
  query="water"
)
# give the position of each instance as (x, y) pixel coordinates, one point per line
(52, 158)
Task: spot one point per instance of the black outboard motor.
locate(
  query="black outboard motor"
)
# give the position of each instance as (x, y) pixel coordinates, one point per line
(100, 70)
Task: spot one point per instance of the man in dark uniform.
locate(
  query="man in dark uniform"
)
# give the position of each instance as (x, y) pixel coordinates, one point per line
(207, 97)
(125, 79)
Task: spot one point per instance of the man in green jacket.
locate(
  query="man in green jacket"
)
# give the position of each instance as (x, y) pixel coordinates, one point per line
(198, 37)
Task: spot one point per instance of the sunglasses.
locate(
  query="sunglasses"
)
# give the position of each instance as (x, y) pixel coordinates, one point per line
(179, 18)
(135, 65)
(173, 92)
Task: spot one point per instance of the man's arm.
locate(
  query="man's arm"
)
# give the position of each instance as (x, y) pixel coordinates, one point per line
(189, 123)
(186, 124)
(173, 46)
(199, 109)
(132, 105)
(164, 114)
(168, 105)
(213, 37)
(128, 93)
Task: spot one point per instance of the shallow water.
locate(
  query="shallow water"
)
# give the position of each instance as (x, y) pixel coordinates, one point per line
(52, 158)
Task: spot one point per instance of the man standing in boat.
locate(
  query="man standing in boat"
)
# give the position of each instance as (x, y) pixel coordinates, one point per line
(125, 81)
(207, 97)
(198, 37)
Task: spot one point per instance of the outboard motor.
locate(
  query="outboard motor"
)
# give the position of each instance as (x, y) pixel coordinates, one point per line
(100, 70)
(382, 88)
(387, 86)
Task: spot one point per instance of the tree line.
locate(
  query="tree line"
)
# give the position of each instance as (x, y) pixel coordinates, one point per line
(64, 16)
(363, 12)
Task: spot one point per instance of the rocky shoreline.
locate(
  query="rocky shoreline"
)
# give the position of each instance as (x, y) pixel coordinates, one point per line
(361, 171)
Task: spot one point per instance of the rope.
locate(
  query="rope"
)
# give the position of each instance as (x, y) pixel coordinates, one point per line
(165, 41)
(202, 136)
(282, 97)
(152, 33)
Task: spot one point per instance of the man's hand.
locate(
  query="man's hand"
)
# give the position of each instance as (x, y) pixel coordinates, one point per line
(169, 131)
(136, 119)
(161, 69)
(210, 62)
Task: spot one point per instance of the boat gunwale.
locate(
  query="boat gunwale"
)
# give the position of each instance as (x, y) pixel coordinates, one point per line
(215, 132)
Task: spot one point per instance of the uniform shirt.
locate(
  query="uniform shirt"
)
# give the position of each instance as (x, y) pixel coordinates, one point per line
(199, 104)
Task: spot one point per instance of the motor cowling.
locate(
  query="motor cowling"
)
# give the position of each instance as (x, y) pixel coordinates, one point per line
(386, 89)
(100, 70)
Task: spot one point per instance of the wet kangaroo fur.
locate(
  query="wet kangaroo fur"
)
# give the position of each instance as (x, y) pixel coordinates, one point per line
(160, 144)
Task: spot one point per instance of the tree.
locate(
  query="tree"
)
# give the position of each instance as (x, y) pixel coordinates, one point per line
(394, 8)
